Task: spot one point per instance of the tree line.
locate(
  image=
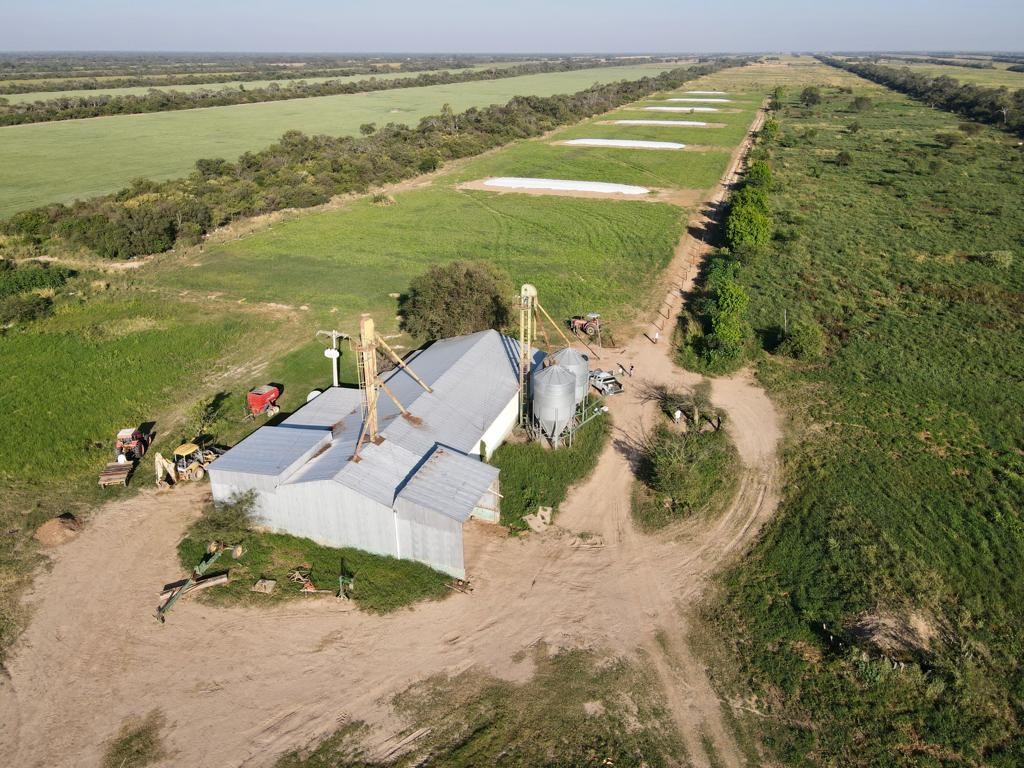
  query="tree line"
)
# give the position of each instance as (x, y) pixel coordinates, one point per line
(77, 107)
(301, 171)
(995, 106)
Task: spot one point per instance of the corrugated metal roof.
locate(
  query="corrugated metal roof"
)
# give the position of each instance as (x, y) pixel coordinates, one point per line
(273, 450)
(474, 377)
(449, 483)
(328, 408)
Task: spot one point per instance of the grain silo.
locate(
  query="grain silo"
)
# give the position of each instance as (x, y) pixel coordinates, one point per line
(554, 400)
(577, 364)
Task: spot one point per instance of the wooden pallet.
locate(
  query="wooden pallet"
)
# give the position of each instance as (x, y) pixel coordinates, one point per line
(115, 474)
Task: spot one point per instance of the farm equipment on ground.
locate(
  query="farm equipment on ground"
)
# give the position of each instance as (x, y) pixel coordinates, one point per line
(195, 581)
(588, 324)
(605, 382)
(189, 463)
(132, 443)
(130, 446)
(262, 400)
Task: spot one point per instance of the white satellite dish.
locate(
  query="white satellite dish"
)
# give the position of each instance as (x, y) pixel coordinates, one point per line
(313, 395)
(332, 353)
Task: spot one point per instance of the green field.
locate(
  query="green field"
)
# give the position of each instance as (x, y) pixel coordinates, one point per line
(249, 85)
(579, 252)
(903, 483)
(62, 161)
(991, 78)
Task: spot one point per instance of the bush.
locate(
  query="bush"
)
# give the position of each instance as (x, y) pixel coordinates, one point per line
(844, 158)
(805, 340)
(682, 474)
(810, 96)
(32, 277)
(24, 308)
(861, 104)
(457, 298)
(748, 226)
(759, 175)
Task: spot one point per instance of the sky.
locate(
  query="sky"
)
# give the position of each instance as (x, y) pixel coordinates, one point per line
(511, 26)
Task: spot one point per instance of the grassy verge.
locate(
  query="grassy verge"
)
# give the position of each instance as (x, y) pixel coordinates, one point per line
(579, 709)
(879, 618)
(138, 744)
(382, 584)
(532, 475)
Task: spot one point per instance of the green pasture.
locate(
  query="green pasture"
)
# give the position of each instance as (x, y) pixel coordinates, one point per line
(903, 490)
(65, 160)
(990, 78)
(583, 254)
(682, 169)
(249, 85)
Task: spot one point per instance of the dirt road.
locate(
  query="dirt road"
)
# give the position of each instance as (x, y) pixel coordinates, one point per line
(258, 682)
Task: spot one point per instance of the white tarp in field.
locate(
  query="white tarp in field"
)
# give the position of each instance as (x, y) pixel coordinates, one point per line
(681, 109)
(625, 143)
(676, 123)
(564, 185)
(706, 93)
(705, 101)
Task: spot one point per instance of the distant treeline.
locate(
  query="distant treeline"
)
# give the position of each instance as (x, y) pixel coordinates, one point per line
(968, 63)
(90, 82)
(93, 65)
(301, 171)
(996, 106)
(74, 108)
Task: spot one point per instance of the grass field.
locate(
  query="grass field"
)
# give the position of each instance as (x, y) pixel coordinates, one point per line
(903, 490)
(580, 253)
(62, 161)
(249, 85)
(991, 78)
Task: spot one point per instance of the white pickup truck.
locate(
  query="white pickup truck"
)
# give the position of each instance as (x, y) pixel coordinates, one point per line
(605, 382)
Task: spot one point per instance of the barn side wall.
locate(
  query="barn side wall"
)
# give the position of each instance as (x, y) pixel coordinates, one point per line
(430, 537)
(500, 428)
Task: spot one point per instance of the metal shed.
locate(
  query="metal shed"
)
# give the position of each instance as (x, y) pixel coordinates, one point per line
(408, 496)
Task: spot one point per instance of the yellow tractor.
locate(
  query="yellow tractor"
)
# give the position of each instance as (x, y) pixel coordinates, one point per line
(190, 462)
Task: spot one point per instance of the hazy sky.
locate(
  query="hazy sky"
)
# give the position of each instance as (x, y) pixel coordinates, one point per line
(511, 25)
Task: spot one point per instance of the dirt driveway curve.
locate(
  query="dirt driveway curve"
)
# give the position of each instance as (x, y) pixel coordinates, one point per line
(258, 682)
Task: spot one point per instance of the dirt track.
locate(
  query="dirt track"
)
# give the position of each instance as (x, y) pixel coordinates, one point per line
(255, 683)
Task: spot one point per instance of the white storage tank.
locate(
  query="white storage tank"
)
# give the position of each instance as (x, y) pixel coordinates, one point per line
(554, 398)
(577, 364)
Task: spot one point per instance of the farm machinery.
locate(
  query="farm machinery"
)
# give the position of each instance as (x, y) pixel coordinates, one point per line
(130, 446)
(588, 324)
(189, 463)
(262, 400)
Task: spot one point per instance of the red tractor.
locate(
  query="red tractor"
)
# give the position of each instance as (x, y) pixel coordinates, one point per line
(262, 400)
(590, 324)
(131, 443)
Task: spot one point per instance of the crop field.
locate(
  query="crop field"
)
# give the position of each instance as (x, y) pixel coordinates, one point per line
(903, 497)
(62, 161)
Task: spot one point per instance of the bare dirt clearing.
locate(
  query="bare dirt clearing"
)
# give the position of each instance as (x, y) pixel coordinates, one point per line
(258, 682)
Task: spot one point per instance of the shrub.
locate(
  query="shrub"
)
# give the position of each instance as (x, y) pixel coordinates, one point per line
(682, 474)
(948, 140)
(805, 340)
(844, 158)
(457, 298)
(759, 175)
(24, 308)
(748, 226)
(861, 104)
(810, 96)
